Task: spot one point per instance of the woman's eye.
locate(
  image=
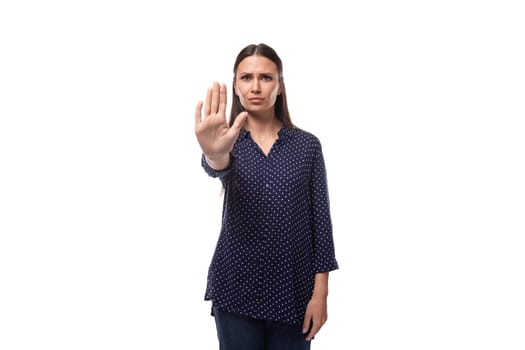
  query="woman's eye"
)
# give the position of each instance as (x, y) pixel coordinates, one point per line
(245, 77)
(267, 77)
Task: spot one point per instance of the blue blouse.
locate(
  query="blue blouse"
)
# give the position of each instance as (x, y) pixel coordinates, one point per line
(276, 228)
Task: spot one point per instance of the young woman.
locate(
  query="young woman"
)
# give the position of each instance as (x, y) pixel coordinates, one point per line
(268, 279)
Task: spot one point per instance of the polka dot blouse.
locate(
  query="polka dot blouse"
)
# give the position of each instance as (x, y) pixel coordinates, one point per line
(276, 229)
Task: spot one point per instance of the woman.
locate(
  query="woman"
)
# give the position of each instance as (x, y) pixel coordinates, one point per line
(268, 279)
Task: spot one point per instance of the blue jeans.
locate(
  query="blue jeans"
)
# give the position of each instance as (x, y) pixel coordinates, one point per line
(237, 332)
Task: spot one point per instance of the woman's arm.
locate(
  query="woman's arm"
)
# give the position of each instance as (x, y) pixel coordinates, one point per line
(316, 311)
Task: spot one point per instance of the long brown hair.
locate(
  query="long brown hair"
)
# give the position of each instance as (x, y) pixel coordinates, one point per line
(281, 104)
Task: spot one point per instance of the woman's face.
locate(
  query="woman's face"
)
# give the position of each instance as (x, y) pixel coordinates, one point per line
(257, 83)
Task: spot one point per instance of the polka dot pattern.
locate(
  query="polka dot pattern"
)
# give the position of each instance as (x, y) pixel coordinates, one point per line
(276, 229)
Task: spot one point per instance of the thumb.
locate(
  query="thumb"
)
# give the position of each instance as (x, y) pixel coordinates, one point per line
(239, 121)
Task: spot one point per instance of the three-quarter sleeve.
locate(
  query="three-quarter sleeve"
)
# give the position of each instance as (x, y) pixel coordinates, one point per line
(324, 251)
(221, 174)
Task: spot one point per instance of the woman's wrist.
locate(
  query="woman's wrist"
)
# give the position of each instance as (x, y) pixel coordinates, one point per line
(219, 161)
(320, 285)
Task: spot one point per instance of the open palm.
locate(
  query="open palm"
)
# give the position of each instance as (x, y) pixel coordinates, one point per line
(215, 136)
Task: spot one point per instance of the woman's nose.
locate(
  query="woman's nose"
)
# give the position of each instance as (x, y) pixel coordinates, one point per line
(256, 88)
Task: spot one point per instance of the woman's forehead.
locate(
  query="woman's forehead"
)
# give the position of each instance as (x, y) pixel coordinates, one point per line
(256, 64)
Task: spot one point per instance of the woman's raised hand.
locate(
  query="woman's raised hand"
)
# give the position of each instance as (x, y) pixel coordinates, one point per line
(215, 136)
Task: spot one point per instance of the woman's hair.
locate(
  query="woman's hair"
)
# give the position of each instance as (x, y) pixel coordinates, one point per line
(281, 104)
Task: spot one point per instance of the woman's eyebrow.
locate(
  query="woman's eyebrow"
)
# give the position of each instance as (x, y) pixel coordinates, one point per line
(264, 73)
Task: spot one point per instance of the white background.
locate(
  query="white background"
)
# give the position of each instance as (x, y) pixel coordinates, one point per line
(108, 222)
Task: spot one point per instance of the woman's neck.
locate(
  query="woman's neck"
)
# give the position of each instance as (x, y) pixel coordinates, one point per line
(264, 132)
(263, 127)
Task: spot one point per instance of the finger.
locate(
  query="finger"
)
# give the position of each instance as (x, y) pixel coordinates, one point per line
(315, 328)
(207, 106)
(222, 99)
(239, 121)
(306, 323)
(233, 132)
(198, 115)
(215, 98)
